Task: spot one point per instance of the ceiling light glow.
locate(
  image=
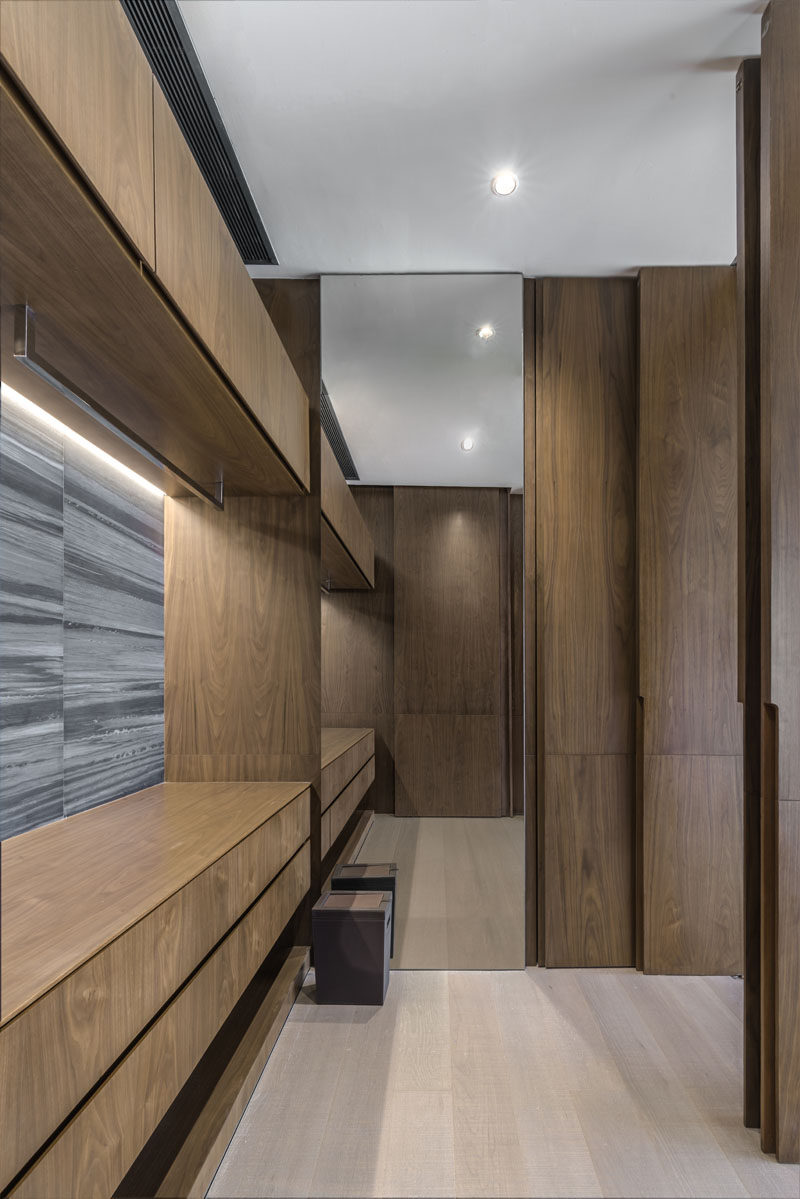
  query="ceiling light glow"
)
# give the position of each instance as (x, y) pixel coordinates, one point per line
(504, 183)
(467, 444)
(485, 332)
(34, 412)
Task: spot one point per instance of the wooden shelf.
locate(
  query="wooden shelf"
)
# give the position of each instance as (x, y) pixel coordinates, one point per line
(348, 552)
(107, 913)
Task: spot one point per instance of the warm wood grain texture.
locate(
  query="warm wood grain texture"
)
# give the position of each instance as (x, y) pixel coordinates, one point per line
(341, 511)
(344, 752)
(530, 346)
(687, 529)
(447, 600)
(158, 876)
(447, 766)
(196, 1160)
(780, 454)
(338, 571)
(198, 264)
(687, 511)
(83, 69)
(103, 324)
(585, 413)
(336, 816)
(589, 914)
(748, 268)
(358, 647)
(242, 632)
(95, 1149)
(516, 531)
(692, 864)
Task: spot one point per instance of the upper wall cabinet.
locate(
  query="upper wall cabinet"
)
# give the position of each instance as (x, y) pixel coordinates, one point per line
(198, 264)
(83, 69)
(348, 553)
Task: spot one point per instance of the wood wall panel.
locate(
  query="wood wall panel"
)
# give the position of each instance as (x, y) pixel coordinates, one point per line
(447, 766)
(199, 265)
(585, 420)
(86, 73)
(447, 600)
(95, 1149)
(688, 511)
(780, 546)
(516, 539)
(692, 864)
(358, 648)
(691, 804)
(342, 513)
(589, 913)
(748, 208)
(533, 876)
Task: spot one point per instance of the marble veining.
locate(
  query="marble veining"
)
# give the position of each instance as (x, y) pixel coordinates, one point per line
(81, 628)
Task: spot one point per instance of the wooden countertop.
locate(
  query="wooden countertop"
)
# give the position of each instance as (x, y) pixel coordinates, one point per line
(71, 887)
(336, 742)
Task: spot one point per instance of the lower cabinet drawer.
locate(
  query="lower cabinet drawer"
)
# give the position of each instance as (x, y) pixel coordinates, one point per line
(337, 815)
(65, 1041)
(96, 1148)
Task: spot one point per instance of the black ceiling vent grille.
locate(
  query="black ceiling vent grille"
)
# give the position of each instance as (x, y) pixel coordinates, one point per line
(165, 40)
(333, 431)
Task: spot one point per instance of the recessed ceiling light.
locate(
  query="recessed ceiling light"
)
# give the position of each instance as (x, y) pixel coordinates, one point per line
(467, 444)
(485, 332)
(504, 183)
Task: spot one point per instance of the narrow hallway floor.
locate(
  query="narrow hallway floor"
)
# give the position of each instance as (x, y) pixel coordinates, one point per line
(508, 1083)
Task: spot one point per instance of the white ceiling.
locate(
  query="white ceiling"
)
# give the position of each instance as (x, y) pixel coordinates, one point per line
(368, 130)
(409, 378)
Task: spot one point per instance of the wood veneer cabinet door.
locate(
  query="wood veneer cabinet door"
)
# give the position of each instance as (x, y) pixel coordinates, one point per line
(691, 809)
(83, 69)
(585, 420)
(341, 512)
(198, 264)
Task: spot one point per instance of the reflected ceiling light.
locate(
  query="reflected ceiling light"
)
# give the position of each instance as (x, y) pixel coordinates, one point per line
(467, 444)
(485, 332)
(504, 183)
(33, 411)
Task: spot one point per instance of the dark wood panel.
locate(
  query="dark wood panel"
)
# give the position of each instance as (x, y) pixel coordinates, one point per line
(200, 267)
(447, 600)
(516, 539)
(688, 511)
(787, 1054)
(693, 864)
(102, 323)
(338, 570)
(588, 838)
(95, 1149)
(780, 454)
(84, 70)
(242, 637)
(447, 765)
(748, 209)
(530, 350)
(346, 522)
(335, 818)
(585, 480)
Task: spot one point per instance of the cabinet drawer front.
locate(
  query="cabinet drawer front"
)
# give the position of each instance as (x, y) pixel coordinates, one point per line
(199, 265)
(341, 770)
(85, 72)
(62, 1044)
(94, 1151)
(338, 814)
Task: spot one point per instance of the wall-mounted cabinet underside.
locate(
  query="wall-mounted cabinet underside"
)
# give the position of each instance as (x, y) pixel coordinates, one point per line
(348, 552)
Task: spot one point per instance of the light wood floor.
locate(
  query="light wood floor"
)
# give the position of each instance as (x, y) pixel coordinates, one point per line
(460, 890)
(534, 1082)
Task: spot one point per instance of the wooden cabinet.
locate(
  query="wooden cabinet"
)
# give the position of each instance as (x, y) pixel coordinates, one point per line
(198, 264)
(348, 553)
(83, 69)
(348, 771)
(105, 917)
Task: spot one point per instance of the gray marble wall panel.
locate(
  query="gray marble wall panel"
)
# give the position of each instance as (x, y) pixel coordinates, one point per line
(82, 627)
(31, 623)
